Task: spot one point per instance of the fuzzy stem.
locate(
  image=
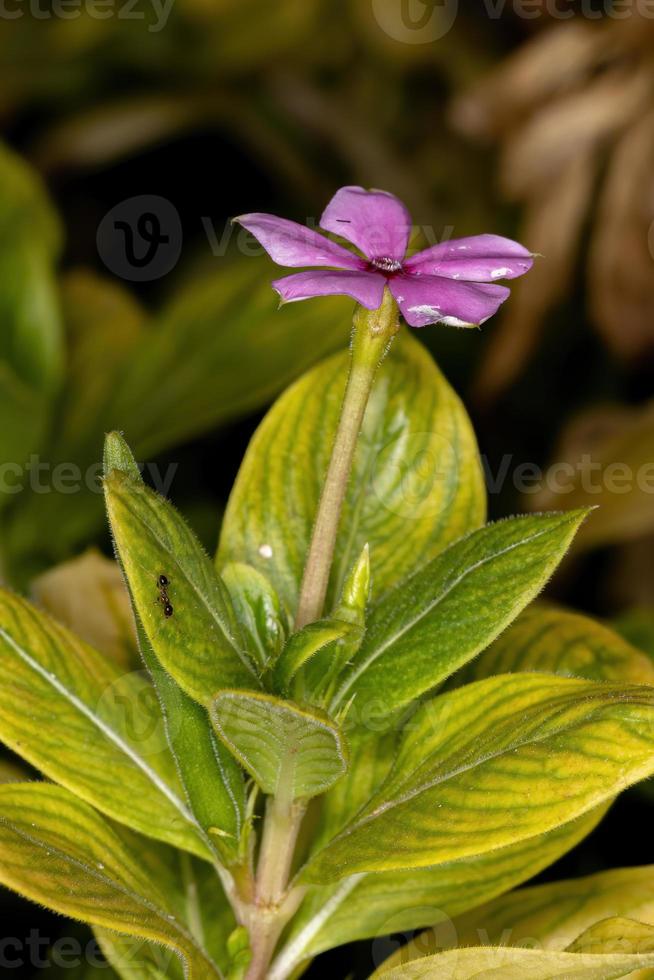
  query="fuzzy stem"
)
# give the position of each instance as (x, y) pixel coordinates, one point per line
(274, 904)
(372, 335)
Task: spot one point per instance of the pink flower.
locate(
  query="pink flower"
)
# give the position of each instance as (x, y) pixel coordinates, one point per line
(452, 283)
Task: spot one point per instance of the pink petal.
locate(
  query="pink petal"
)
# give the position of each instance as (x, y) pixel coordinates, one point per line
(366, 288)
(482, 258)
(291, 244)
(375, 221)
(432, 299)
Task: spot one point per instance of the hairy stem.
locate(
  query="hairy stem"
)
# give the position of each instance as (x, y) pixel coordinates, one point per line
(274, 903)
(373, 332)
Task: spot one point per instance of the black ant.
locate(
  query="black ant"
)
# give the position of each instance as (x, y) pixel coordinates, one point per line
(163, 583)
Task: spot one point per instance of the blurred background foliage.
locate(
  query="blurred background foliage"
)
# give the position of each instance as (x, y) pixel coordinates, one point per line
(539, 127)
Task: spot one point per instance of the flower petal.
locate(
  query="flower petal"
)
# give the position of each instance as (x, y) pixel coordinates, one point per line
(292, 245)
(366, 288)
(482, 258)
(375, 221)
(432, 299)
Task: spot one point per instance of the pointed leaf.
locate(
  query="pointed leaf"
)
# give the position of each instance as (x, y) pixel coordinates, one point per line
(200, 904)
(211, 778)
(468, 778)
(305, 645)
(279, 742)
(58, 851)
(448, 611)
(197, 642)
(75, 716)
(416, 484)
(368, 906)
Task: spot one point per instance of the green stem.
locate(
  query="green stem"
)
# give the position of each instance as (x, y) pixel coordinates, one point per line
(372, 335)
(274, 903)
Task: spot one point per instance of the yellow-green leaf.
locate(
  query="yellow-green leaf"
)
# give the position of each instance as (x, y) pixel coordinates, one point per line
(449, 610)
(494, 763)
(304, 645)
(547, 638)
(74, 715)
(416, 484)
(615, 948)
(58, 851)
(212, 781)
(200, 904)
(88, 595)
(280, 743)
(368, 906)
(198, 641)
(556, 914)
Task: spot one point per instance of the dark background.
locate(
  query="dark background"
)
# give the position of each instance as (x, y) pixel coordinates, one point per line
(240, 106)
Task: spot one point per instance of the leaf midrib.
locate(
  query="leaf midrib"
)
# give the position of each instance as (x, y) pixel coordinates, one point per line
(103, 728)
(467, 767)
(111, 883)
(427, 610)
(194, 587)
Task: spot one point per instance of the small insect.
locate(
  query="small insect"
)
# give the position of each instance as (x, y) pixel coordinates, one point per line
(163, 583)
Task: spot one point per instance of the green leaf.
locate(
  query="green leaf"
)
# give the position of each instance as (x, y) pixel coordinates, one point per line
(615, 948)
(23, 413)
(280, 743)
(137, 959)
(448, 611)
(258, 610)
(212, 780)
(104, 324)
(221, 349)
(556, 914)
(494, 763)
(75, 716)
(31, 335)
(58, 851)
(116, 455)
(356, 591)
(550, 639)
(371, 906)
(198, 643)
(416, 484)
(202, 907)
(306, 644)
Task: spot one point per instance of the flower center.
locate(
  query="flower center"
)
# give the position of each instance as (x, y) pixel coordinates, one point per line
(386, 264)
